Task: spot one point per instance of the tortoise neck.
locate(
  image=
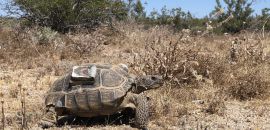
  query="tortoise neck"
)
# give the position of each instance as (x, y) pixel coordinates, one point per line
(137, 89)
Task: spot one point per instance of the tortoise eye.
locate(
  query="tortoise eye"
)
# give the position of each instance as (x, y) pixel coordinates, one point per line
(153, 78)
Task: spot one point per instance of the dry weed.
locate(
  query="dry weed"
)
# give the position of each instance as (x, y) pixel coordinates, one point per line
(216, 106)
(249, 84)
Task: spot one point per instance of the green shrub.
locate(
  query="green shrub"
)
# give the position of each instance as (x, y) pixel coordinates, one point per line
(62, 15)
(241, 11)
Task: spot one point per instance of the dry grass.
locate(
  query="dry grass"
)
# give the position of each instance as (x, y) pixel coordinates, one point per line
(206, 78)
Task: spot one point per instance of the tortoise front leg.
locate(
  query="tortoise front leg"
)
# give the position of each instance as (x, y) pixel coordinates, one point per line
(49, 119)
(142, 111)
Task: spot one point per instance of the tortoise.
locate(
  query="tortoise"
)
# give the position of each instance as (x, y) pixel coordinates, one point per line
(113, 91)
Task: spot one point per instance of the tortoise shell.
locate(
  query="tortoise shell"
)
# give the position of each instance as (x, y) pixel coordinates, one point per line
(108, 91)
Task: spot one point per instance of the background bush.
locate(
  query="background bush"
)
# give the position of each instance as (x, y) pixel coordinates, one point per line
(65, 15)
(62, 15)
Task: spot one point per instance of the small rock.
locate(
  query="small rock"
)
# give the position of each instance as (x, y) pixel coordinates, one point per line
(198, 101)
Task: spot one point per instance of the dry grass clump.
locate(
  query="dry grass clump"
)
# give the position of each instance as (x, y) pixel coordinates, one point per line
(13, 92)
(216, 106)
(28, 48)
(175, 60)
(252, 83)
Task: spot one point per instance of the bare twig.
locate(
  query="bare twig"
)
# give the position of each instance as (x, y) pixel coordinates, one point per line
(211, 28)
(263, 28)
(23, 111)
(3, 115)
(24, 121)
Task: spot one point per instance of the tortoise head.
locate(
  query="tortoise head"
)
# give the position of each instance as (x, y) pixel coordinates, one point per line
(147, 82)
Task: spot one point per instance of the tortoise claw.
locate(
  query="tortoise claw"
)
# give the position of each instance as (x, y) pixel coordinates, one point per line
(49, 120)
(46, 124)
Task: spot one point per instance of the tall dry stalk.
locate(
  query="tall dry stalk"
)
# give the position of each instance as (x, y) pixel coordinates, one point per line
(23, 110)
(3, 115)
(263, 28)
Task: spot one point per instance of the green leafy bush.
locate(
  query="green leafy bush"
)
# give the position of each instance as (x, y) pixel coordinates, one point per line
(63, 15)
(240, 10)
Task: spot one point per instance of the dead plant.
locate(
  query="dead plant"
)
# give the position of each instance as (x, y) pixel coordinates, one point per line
(176, 61)
(250, 85)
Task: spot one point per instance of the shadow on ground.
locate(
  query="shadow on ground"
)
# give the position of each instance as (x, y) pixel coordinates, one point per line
(125, 117)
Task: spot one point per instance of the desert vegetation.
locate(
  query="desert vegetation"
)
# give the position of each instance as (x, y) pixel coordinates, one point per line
(212, 80)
